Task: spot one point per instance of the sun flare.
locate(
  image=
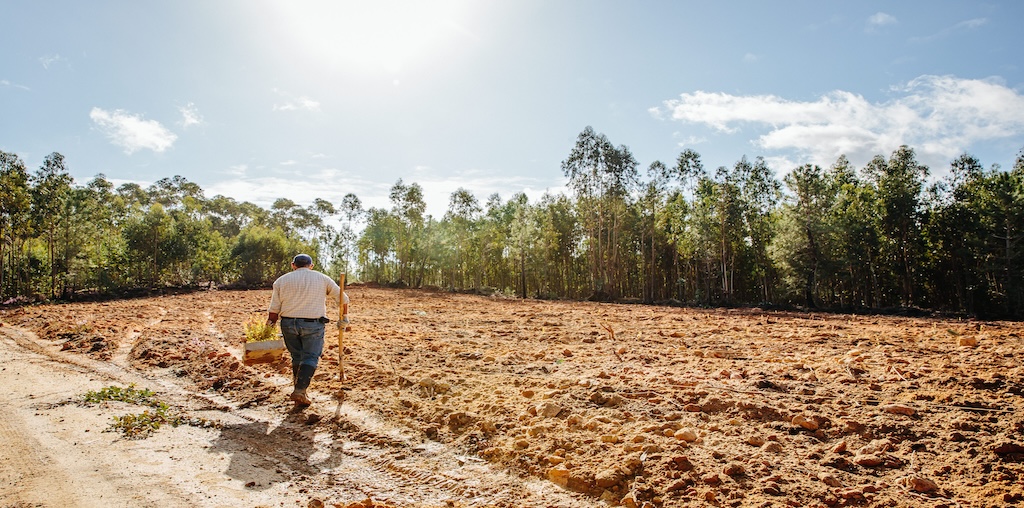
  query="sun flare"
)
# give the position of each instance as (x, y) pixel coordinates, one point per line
(388, 36)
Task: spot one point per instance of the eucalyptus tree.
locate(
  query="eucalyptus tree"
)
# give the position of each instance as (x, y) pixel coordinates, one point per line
(228, 216)
(760, 194)
(91, 237)
(200, 253)
(680, 267)
(261, 254)
(899, 183)
(51, 189)
(602, 177)
(462, 217)
(318, 228)
(1003, 217)
(146, 238)
(688, 223)
(409, 210)
(650, 210)
(15, 220)
(495, 231)
(378, 245)
(731, 229)
(562, 260)
(524, 236)
(177, 193)
(135, 198)
(344, 244)
(859, 242)
(805, 228)
(283, 215)
(954, 233)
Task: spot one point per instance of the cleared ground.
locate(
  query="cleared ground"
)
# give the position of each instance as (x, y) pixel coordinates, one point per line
(464, 400)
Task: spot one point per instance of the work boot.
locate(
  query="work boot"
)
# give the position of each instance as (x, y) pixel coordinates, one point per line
(302, 380)
(299, 396)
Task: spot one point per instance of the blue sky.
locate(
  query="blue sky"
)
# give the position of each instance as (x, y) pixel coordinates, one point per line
(260, 100)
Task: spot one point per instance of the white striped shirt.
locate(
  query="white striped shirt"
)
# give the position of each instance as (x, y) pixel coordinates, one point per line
(302, 293)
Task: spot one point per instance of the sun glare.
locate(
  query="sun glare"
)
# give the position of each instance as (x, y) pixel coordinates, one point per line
(389, 36)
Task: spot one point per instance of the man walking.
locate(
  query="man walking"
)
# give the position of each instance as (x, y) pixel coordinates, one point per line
(299, 300)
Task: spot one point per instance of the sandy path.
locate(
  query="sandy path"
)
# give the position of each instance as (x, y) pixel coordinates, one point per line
(56, 452)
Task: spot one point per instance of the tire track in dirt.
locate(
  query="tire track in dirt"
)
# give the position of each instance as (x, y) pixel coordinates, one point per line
(39, 465)
(124, 347)
(23, 467)
(386, 458)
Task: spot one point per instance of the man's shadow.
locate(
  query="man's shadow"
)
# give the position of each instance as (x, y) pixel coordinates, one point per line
(261, 456)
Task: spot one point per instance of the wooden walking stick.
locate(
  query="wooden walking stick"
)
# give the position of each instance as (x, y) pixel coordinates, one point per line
(342, 311)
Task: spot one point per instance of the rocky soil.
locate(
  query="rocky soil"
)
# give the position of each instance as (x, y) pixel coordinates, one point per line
(468, 400)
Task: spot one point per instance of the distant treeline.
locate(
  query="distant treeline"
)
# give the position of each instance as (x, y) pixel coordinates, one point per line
(875, 238)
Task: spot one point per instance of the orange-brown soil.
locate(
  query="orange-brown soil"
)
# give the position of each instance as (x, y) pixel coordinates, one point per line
(549, 403)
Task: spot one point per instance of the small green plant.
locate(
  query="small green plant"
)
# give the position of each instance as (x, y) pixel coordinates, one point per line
(130, 395)
(142, 425)
(258, 330)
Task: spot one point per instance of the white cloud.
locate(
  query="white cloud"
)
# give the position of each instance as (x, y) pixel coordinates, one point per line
(970, 24)
(264, 190)
(48, 60)
(294, 103)
(190, 116)
(5, 83)
(690, 140)
(938, 116)
(881, 19)
(750, 58)
(132, 132)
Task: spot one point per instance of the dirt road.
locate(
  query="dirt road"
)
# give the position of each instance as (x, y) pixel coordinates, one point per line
(463, 400)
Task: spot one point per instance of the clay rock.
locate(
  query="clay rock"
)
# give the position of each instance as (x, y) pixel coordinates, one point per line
(922, 485)
(772, 489)
(688, 435)
(868, 460)
(801, 421)
(608, 478)
(734, 469)
(899, 409)
(875, 447)
(851, 493)
(829, 479)
(606, 400)
(840, 447)
(1008, 448)
(968, 341)
(682, 463)
(629, 501)
(549, 409)
(559, 475)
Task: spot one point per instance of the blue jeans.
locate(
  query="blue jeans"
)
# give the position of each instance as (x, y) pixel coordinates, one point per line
(304, 340)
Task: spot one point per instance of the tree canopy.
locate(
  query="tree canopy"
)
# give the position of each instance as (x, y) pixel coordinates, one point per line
(880, 237)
